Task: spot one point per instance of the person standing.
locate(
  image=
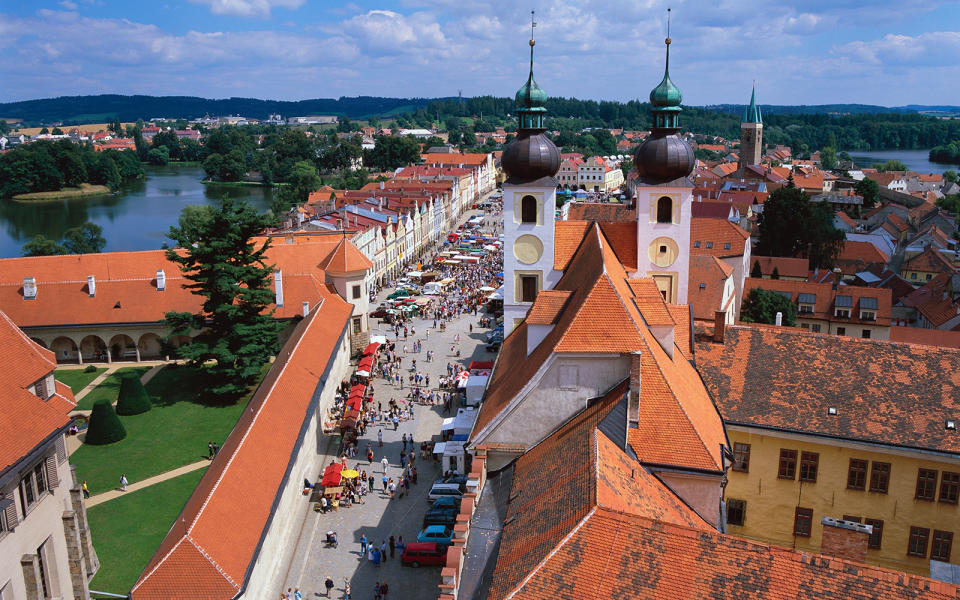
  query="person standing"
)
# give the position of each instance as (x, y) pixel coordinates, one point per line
(385, 464)
(363, 544)
(393, 546)
(380, 434)
(123, 482)
(210, 450)
(384, 589)
(383, 549)
(86, 490)
(328, 584)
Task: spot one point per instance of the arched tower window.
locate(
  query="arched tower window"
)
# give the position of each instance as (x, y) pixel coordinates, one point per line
(664, 210)
(528, 209)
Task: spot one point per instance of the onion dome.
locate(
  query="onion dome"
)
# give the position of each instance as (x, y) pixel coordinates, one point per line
(532, 155)
(664, 156)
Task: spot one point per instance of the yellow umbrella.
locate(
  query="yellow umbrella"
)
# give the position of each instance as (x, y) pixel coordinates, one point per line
(349, 473)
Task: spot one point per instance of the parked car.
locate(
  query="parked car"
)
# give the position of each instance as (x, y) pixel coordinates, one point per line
(401, 294)
(444, 489)
(460, 480)
(440, 516)
(494, 347)
(440, 534)
(424, 553)
(449, 502)
(381, 313)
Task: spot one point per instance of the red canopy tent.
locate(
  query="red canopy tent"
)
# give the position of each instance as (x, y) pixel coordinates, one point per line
(371, 348)
(354, 404)
(331, 475)
(357, 391)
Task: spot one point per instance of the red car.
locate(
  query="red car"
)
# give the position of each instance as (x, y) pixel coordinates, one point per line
(424, 553)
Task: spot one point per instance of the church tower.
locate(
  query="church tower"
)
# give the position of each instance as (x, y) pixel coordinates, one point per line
(529, 203)
(751, 134)
(663, 194)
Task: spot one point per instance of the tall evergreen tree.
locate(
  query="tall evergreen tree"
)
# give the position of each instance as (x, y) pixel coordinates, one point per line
(237, 331)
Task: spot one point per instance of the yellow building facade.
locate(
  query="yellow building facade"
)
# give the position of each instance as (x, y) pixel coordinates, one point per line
(915, 519)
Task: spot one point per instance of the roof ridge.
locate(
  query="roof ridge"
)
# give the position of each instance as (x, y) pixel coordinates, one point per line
(34, 347)
(211, 561)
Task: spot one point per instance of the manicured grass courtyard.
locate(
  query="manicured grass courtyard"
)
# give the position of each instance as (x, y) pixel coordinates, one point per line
(173, 433)
(127, 530)
(108, 388)
(77, 378)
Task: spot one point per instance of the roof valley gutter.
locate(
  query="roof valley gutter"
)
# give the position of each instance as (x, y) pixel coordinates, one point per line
(314, 402)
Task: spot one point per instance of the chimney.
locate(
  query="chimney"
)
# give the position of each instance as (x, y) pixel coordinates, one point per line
(306, 308)
(779, 319)
(633, 395)
(278, 286)
(845, 539)
(719, 325)
(161, 280)
(91, 285)
(836, 277)
(29, 288)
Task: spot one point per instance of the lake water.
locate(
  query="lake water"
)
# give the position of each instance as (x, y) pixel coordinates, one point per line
(137, 217)
(916, 160)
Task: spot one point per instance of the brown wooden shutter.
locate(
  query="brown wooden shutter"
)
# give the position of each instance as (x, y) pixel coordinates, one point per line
(52, 479)
(61, 450)
(10, 509)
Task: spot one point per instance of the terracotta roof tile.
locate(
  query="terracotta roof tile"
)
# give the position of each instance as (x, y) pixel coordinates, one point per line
(925, 337)
(708, 276)
(794, 377)
(717, 237)
(931, 260)
(825, 298)
(345, 259)
(786, 267)
(259, 449)
(602, 211)
(547, 307)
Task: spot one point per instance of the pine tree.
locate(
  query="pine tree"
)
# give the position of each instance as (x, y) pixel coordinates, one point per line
(756, 272)
(775, 274)
(105, 427)
(237, 331)
(133, 398)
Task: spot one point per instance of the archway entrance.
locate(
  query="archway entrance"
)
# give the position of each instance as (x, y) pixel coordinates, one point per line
(123, 348)
(65, 350)
(93, 349)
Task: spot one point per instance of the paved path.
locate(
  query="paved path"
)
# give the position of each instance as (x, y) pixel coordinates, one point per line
(379, 518)
(116, 493)
(96, 381)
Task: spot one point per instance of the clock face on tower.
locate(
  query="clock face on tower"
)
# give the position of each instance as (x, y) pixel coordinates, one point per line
(528, 249)
(663, 252)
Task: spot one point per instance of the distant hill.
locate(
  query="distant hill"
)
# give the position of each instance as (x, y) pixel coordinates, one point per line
(76, 110)
(835, 109)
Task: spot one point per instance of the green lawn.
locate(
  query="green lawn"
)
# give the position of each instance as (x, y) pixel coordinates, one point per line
(127, 531)
(77, 379)
(173, 433)
(109, 388)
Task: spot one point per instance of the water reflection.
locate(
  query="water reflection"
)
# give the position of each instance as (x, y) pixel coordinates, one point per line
(137, 217)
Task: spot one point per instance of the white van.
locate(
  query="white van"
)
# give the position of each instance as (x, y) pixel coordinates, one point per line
(433, 288)
(441, 490)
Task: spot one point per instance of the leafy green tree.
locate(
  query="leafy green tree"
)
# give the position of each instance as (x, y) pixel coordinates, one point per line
(41, 245)
(169, 140)
(104, 171)
(468, 140)
(44, 131)
(4, 127)
(225, 267)
(791, 225)
(191, 151)
(132, 398)
(762, 306)
(85, 239)
(950, 176)
(828, 158)
(158, 156)
(57, 131)
(870, 190)
(105, 427)
(626, 166)
(115, 126)
(950, 202)
(392, 152)
(454, 137)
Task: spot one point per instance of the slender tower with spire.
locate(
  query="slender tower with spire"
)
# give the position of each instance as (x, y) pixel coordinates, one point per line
(531, 162)
(663, 193)
(751, 134)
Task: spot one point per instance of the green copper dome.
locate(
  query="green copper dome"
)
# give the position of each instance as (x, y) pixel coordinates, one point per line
(531, 95)
(666, 94)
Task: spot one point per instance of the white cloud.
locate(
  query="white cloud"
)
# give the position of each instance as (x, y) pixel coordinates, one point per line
(936, 48)
(67, 4)
(248, 8)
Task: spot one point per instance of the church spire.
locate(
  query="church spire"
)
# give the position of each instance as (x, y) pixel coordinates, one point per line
(530, 97)
(751, 114)
(666, 97)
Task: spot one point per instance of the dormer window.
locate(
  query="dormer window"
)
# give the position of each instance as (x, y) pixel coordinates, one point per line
(842, 306)
(868, 309)
(806, 303)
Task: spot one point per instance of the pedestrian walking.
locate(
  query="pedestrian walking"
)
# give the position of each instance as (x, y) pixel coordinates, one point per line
(380, 433)
(385, 464)
(329, 585)
(86, 490)
(385, 480)
(363, 545)
(123, 482)
(346, 589)
(210, 450)
(393, 546)
(376, 591)
(384, 589)
(297, 595)
(383, 549)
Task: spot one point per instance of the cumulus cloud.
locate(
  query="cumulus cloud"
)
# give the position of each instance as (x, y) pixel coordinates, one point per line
(936, 48)
(248, 8)
(67, 4)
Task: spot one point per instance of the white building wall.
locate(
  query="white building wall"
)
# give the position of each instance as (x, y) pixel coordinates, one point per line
(275, 554)
(678, 230)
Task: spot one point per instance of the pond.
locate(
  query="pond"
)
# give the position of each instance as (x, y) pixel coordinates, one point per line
(137, 217)
(916, 160)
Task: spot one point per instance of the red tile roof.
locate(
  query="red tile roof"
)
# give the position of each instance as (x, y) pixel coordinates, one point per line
(885, 392)
(825, 298)
(208, 553)
(345, 259)
(931, 260)
(925, 337)
(717, 237)
(708, 274)
(547, 307)
(601, 211)
(26, 421)
(785, 266)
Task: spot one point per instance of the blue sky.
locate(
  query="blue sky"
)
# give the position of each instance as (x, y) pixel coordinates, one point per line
(814, 52)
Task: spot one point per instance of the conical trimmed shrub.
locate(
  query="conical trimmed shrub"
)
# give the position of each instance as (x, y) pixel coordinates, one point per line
(133, 398)
(105, 426)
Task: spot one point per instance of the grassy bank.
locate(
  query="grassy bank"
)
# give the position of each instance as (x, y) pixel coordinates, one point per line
(126, 531)
(85, 189)
(77, 378)
(108, 388)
